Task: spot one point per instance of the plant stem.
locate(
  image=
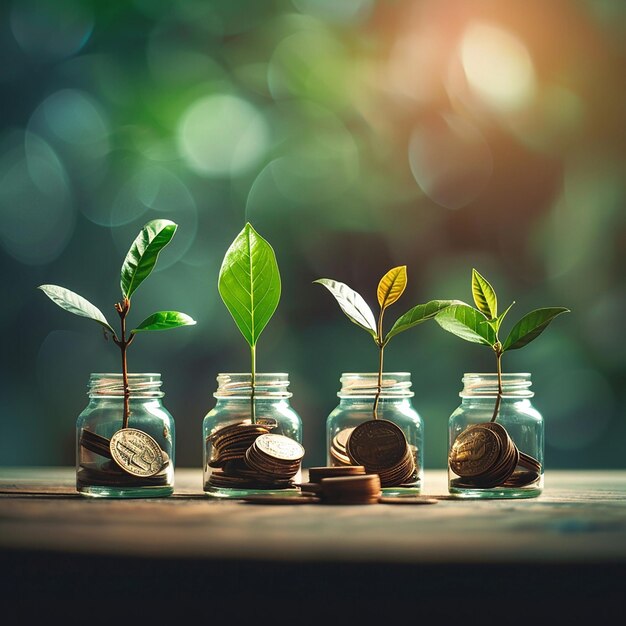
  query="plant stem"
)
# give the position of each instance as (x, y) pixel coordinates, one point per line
(252, 382)
(381, 347)
(123, 343)
(499, 398)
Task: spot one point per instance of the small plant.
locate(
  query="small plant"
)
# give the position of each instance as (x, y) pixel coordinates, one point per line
(249, 284)
(390, 288)
(137, 266)
(482, 325)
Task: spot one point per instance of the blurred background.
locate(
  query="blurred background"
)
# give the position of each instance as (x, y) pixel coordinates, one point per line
(355, 136)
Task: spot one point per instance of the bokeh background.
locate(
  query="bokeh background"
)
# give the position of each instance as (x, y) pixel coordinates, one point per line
(356, 136)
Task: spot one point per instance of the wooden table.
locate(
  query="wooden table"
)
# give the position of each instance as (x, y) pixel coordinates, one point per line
(562, 554)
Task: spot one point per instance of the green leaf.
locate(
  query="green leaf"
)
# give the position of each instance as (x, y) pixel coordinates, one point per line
(484, 295)
(531, 326)
(352, 304)
(143, 254)
(76, 304)
(163, 320)
(417, 315)
(391, 286)
(465, 321)
(497, 322)
(249, 283)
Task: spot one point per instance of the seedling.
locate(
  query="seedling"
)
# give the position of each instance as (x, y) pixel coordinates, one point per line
(390, 288)
(249, 284)
(137, 266)
(482, 325)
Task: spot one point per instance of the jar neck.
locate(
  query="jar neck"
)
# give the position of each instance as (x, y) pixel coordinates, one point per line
(112, 386)
(486, 386)
(395, 385)
(239, 386)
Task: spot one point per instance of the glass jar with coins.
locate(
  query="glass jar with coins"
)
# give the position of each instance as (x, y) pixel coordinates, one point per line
(132, 462)
(496, 450)
(392, 445)
(252, 438)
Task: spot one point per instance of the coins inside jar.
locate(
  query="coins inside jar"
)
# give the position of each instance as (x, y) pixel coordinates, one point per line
(249, 456)
(381, 447)
(484, 456)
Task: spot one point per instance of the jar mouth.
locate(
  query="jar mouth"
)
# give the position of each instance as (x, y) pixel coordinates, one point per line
(365, 385)
(111, 384)
(485, 384)
(238, 385)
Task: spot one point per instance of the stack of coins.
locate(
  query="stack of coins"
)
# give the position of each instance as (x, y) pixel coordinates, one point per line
(338, 447)
(363, 489)
(275, 457)
(484, 456)
(135, 460)
(95, 443)
(316, 474)
(248, 456)
(381, 447)
(231, 442)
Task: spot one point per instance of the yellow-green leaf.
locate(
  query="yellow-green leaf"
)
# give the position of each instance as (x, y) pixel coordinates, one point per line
(391, 286)
(484, 295)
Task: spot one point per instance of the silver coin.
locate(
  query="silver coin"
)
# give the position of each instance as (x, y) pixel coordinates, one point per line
(280, 447)
(136, 452)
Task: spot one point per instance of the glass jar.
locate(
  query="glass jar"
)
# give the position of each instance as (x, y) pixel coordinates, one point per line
(233, 406)
(140, 461)
(491, 464)
(356, 405)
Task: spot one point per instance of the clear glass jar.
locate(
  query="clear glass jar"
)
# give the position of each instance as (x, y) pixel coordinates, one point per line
(519, 418)
(146, 468)
(356, 405)
(233, 406)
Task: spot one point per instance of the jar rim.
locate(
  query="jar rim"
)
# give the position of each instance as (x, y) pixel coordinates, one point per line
(485, 384)
(110, 384)
(395, 385)
(238, 385)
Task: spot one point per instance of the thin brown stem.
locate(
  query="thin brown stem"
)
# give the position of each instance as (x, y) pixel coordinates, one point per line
(123, 343)
(496, 408)
(381, 355)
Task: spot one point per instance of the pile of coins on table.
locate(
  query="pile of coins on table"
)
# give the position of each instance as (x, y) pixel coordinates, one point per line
(381, 447)
(135, 459)
(249, 456)
(347, 484)
(484, 457)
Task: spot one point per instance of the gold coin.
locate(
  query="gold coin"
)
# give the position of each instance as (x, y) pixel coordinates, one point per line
(376, 444)
(136, 452)
(474, 451)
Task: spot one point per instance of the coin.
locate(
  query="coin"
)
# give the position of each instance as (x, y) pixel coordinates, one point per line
(364, 489)
(95, 443)
(317, 473)
(279, 447)
(376, 444)
(406, 500)
(136, 452)
(280, 500)
(474, 451)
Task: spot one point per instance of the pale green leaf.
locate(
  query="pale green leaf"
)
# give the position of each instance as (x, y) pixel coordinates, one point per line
(75, 304)
(352, 304)
(531, 326)
(143, 254)
(249, 283)
(164, 320)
